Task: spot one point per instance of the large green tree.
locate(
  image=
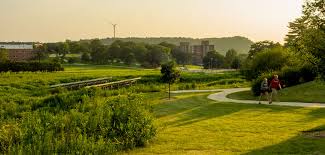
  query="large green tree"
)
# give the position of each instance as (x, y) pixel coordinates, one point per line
(213, 59)
(307, 34)
(62, 50)
(230, 57)
(98, 52)
(270, 60)
(140, 51)
(156, 55)
(260, 46)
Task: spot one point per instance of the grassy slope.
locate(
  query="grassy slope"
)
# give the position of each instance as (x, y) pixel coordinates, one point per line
(308, 92)
(192, 124)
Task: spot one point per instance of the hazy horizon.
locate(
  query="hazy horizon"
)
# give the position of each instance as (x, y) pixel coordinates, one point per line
(58, 20)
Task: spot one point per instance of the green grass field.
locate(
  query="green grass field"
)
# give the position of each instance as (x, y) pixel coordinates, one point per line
(309, 92)
(192, 124)
(187, 124)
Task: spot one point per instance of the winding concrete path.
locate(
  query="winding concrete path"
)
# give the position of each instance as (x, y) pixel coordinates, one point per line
(222, 96)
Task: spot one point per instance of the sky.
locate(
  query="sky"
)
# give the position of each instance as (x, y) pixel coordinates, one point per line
(58, 20)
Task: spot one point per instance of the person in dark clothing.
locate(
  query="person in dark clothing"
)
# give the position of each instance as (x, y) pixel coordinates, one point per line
(264, 90)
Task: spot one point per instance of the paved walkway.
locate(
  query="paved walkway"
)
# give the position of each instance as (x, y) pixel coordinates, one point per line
(221, 96)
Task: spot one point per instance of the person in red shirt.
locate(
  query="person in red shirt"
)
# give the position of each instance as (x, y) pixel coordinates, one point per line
(274, 85)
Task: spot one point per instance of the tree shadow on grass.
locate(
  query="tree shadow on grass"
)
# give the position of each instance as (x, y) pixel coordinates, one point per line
(199, 108)
(168, 108)
(316, 114)
(301, 144)
(218, 109)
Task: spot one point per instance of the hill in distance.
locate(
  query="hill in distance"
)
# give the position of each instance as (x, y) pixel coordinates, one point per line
(222, 45)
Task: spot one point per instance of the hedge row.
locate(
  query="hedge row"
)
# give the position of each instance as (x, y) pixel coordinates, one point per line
(287, 76)
(30, 66)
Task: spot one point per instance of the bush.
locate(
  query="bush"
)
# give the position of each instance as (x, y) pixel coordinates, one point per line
(80, 122)
(288, 77)
(30, 66)
(308, 73)
(132, 123)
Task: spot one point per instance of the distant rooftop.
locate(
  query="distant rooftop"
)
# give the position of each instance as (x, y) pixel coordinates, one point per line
(16, 46)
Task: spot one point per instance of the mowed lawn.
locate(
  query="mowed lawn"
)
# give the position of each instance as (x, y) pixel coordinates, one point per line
(311, 92)
(192, 124)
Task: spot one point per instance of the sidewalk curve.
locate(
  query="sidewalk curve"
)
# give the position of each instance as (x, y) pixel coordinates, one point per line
(222, 96)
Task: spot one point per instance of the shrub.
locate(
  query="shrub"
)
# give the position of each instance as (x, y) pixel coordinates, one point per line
(288, 77)
(308, 73)
(132, 123)
(86, 125)
(30, 66)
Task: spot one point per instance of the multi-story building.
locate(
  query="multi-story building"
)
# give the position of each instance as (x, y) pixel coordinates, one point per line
(186, 48)
(19, 52)
(197, 51)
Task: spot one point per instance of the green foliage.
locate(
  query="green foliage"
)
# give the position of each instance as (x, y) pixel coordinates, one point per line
(156, 55)
(132, 123)
(307, 34)
(30, 66)
(98, 52)
(10, 134)
(230, 57)
(236, 63)
(289, 76)
(213, 59)
(85, 57)
(260, 46)
(169, 72)
(181, 57)
(270, 60)
(80, 122)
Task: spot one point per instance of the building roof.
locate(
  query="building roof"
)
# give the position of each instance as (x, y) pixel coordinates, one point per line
(16, 46)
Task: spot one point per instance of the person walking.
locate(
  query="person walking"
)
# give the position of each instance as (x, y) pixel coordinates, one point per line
(264, 90)
(275, 85)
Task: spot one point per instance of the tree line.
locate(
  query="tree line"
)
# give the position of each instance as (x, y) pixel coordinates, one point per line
(130, 53)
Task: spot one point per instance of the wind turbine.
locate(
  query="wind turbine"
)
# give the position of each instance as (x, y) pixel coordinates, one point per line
(114, 28)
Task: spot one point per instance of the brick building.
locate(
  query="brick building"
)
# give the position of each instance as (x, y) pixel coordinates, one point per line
(198, 51)
(19, 52)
